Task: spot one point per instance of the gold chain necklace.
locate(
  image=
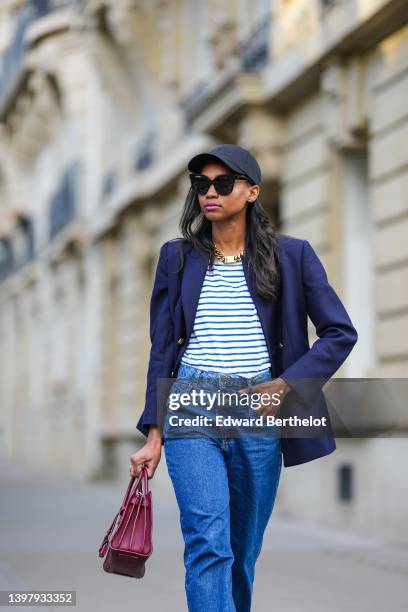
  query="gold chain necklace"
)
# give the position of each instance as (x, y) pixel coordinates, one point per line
(227, 258)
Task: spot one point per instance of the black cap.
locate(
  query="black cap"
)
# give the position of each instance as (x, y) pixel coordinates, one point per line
(235, 157)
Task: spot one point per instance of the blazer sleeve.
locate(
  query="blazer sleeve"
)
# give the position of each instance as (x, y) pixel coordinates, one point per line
(160, 329)
(335, 331)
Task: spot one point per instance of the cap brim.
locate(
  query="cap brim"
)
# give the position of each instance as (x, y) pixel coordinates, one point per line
(196, 163)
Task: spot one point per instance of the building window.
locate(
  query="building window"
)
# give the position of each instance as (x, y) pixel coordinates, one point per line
(63, 203)
(23, 241)
(6, 257)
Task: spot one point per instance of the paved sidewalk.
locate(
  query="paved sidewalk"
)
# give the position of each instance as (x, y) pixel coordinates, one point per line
(51, 529)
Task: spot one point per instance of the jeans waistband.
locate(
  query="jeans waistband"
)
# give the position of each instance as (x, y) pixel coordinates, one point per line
(187, 371)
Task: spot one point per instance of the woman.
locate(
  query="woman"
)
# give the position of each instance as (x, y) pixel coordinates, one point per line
(229, 314)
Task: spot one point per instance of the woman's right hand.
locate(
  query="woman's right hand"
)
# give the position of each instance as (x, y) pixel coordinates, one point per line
(148, 455)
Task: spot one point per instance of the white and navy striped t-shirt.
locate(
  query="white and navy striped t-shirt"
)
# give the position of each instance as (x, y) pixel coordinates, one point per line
(227, 335)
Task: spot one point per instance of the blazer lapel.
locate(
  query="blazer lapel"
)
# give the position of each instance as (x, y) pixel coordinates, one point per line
(267, 310)
(195, 267)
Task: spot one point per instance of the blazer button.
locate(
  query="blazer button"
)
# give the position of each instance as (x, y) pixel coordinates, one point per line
(280, 345)
(180, 341)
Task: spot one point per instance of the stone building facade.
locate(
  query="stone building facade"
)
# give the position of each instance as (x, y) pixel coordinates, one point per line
(102, 102)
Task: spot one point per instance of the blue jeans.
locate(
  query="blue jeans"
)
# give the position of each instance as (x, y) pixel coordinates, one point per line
(225, 489)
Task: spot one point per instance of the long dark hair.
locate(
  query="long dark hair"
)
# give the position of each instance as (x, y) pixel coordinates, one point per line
(261, 244)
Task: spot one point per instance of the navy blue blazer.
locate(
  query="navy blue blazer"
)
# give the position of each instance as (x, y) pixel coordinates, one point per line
(305, 291)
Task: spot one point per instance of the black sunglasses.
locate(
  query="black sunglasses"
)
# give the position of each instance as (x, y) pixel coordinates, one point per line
(223, 183)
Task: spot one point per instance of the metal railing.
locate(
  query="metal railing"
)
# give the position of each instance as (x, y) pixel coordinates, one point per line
(255, 50)
(253, 54)
(194, 100)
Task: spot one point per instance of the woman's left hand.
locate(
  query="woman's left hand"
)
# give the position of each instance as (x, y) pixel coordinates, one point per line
(272, 394)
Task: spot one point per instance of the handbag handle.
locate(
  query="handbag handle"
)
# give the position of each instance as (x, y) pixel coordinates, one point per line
(141, 478)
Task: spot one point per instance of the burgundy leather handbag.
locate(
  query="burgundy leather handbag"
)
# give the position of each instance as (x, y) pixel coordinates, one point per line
(130, 545)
